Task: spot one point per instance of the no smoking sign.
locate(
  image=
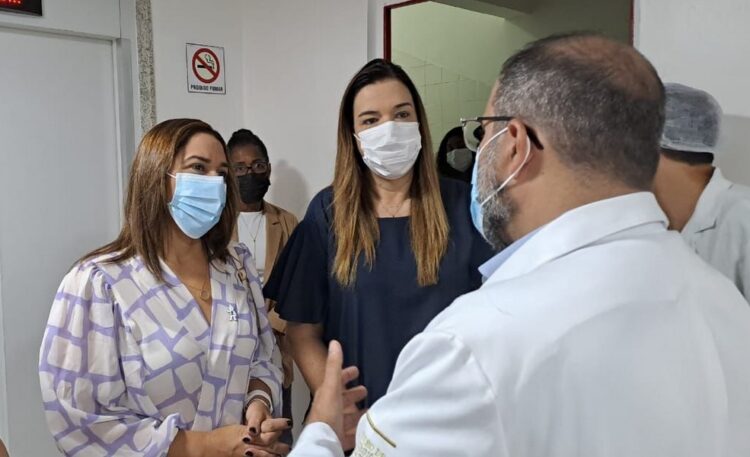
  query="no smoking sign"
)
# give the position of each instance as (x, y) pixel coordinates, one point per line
(205, 68)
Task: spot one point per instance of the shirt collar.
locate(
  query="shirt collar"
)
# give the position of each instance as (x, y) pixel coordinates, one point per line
(584, 226)
(491, 266)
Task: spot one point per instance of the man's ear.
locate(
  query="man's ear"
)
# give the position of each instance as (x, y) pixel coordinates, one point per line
(518, 136)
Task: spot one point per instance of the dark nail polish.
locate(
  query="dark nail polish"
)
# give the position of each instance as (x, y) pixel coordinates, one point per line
(247, 440)
(253, 431)
(249, 454)
(289, 422)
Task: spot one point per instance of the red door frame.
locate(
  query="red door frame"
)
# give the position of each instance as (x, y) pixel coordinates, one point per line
(387, 24)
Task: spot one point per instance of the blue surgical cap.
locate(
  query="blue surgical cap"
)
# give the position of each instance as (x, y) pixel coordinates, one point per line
(693, 118)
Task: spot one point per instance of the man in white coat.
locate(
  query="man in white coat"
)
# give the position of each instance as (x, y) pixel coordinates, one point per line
(711, 212)
(598, 332)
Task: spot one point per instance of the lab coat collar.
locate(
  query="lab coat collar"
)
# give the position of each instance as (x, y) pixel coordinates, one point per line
(580, 227)
(491, 266)
(706, 210)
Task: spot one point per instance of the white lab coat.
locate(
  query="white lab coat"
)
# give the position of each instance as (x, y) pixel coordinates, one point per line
(604, 335)
(719, 230)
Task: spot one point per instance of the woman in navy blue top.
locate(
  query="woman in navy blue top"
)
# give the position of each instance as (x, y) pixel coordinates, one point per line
(386, 248)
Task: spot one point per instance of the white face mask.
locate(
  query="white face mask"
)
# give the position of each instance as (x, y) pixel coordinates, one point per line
(391, 148)
(460, 159)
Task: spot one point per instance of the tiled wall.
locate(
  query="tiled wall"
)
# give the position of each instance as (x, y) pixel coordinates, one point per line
(447, 95)
(454, 55)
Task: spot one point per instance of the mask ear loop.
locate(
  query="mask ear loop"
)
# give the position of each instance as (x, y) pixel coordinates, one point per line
(512, 175)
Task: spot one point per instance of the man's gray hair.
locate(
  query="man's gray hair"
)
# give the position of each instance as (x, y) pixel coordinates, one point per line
(599, 103)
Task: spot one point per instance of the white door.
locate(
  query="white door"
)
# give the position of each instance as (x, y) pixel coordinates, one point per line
(59, 197)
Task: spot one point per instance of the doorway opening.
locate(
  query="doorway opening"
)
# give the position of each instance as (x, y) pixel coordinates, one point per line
(453, 49)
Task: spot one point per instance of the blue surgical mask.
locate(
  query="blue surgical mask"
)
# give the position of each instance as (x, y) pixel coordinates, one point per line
(477, 206)
(197, 202)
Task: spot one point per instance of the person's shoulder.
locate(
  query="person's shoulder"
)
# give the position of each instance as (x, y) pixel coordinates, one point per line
(320, 208)
(106, 264)
(454, 187)
(738, 196)
(735, 207)
(281, 213)
(93, 273)
(496, 339)
(474, 317)
(323, 198)
(455, 194)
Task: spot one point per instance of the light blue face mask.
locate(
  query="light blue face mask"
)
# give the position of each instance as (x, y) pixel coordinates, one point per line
(477, 207)
(197, 202)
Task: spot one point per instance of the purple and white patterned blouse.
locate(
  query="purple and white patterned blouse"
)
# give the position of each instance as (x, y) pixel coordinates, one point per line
(126, 361)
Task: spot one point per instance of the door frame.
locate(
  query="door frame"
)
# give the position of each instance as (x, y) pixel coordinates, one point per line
(387, 25)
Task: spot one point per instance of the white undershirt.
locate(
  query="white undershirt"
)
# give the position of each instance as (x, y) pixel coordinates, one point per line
(253, 226)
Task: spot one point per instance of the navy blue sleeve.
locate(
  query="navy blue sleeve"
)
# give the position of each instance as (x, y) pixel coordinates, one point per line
(456, 197)
(299, 281)
(481, 252)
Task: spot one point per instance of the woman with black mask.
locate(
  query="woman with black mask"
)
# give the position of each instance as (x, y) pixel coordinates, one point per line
(264, 229)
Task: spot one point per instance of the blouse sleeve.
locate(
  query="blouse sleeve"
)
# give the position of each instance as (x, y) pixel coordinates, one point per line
(262, 366)
(299, 281)
(81, 378)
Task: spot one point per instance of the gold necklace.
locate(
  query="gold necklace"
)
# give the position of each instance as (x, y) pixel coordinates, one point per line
(204, 293)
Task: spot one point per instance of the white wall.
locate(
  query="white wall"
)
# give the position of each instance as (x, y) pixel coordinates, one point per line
(375, 26)
(299, 57)
(67, 102)
(177, 22)
(287, 64)
(705, 44)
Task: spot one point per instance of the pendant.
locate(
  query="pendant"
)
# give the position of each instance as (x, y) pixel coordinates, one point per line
(232, 313)
(205, 294)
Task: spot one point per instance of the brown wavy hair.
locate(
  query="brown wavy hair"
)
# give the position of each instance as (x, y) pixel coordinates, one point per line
(355, 221)
(147, 216)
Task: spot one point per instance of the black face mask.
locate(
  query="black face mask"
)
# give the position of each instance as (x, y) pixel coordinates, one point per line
(253, 187)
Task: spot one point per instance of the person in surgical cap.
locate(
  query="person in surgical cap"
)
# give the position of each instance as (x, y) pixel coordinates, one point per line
(711, 212)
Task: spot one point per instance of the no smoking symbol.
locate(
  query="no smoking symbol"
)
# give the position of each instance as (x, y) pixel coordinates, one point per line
(206, 65)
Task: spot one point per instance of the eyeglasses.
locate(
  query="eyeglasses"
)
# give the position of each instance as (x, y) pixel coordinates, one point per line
(473, 130)
(258, 167)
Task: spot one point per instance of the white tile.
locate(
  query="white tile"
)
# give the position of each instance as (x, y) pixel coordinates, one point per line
(448, 94)
(467, 90)
(433, 75)
(431, 95)
(483, 92)
(406, 59)
(449, 76)
(417, 75)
